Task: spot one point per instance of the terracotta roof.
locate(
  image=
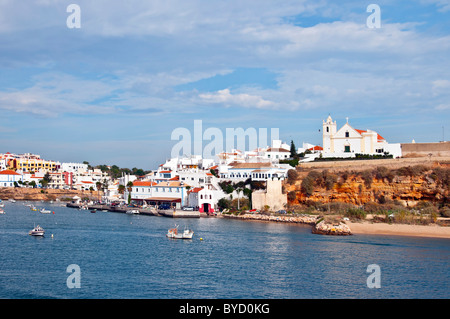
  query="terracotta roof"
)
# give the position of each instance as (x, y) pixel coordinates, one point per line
(171, 184)
(8, 172)
(140, 183)
(250, 165)
(277, 150)
(316, 148)
(195, 190)
(379, 137)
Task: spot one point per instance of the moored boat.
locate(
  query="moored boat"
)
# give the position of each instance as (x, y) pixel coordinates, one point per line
(174, 233)
(133, 211)
(45, 211)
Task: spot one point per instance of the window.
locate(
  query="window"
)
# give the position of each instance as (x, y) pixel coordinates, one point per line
(347, 149)
(328, 129)
(347, 134)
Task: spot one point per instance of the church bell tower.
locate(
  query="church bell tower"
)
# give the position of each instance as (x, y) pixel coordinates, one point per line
(328, 131)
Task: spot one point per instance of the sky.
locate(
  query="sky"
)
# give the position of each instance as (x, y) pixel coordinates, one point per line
(113, 90)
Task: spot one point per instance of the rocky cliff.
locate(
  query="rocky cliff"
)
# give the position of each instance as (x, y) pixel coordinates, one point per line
(407, 185)
(37, 194)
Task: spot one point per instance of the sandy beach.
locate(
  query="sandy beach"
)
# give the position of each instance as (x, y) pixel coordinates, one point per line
(399, 229)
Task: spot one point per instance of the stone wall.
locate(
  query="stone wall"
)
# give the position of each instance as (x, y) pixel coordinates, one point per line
(273, 196)
(424, 149)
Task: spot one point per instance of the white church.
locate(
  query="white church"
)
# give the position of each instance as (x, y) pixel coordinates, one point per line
(348, 141)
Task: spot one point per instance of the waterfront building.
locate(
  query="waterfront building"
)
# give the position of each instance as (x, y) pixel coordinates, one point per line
(9, 177)
(201, 199)
(272, 197)
(348, 141)
(152, 193)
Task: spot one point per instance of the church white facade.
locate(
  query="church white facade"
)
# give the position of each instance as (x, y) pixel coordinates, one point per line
(348, 141)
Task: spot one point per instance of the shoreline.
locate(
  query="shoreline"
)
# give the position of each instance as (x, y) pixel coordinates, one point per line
(429, 231)
(359, 228)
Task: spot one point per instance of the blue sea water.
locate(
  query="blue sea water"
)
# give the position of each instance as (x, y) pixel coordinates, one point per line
(124, 256)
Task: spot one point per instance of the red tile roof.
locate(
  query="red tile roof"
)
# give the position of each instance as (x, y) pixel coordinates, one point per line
(196, 190)
(8, 172)
(379, 137)
(140, 183)
(316, 148)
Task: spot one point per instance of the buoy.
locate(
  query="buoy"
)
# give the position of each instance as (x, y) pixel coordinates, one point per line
(53, 212)
(201, 238)
(52, 235)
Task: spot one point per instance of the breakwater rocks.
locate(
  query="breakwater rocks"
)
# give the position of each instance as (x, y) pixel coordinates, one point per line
(324, 228)
(301, 219)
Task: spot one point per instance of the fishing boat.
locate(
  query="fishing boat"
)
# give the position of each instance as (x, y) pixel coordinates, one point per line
(45, 211)
(132, 211)
(33, 208)
(174, 233)
(2, 205)
(11, 200)
(2, 211)
(37, 231)
(93, 210)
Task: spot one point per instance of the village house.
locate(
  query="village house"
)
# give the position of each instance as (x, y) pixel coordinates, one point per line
(201, 199)
(9, 177)
(173, 193)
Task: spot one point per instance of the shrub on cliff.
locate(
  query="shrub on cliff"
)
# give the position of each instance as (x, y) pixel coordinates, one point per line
(308, 186)
(355, 213)
(292, 176)
(367, 177)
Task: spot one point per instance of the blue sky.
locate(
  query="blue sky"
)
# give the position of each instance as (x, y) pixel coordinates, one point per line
(113, 91)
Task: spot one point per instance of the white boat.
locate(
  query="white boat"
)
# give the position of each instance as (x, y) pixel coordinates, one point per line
(2, 212)
(2, 205)
(133, 211)
(37, 231)
(174, 233)
(11, 200)
(45, 211)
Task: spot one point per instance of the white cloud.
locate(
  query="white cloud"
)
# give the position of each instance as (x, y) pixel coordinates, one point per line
(246, 100)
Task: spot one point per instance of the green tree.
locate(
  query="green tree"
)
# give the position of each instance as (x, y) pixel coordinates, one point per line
(293, 150)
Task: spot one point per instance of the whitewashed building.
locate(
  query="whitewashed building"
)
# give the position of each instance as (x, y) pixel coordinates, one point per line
(348, 141)
(8, 177)
(202, 199)
(171, 192)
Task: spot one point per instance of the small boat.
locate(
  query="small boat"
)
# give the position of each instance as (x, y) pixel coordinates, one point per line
(37, 231)
(132, 211)
(45, 211)
(11, 200)
(2, 212)
(93, 211)
(173, 233)
(2, 205)
(33, 208)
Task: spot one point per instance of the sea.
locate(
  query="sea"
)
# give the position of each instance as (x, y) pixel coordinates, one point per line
(108, 255)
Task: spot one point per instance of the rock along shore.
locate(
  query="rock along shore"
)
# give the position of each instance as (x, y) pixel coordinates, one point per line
(323, 228)
(319, 227)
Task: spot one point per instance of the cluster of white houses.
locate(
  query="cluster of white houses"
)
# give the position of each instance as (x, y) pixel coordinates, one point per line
(29, 169)
(192, 180)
